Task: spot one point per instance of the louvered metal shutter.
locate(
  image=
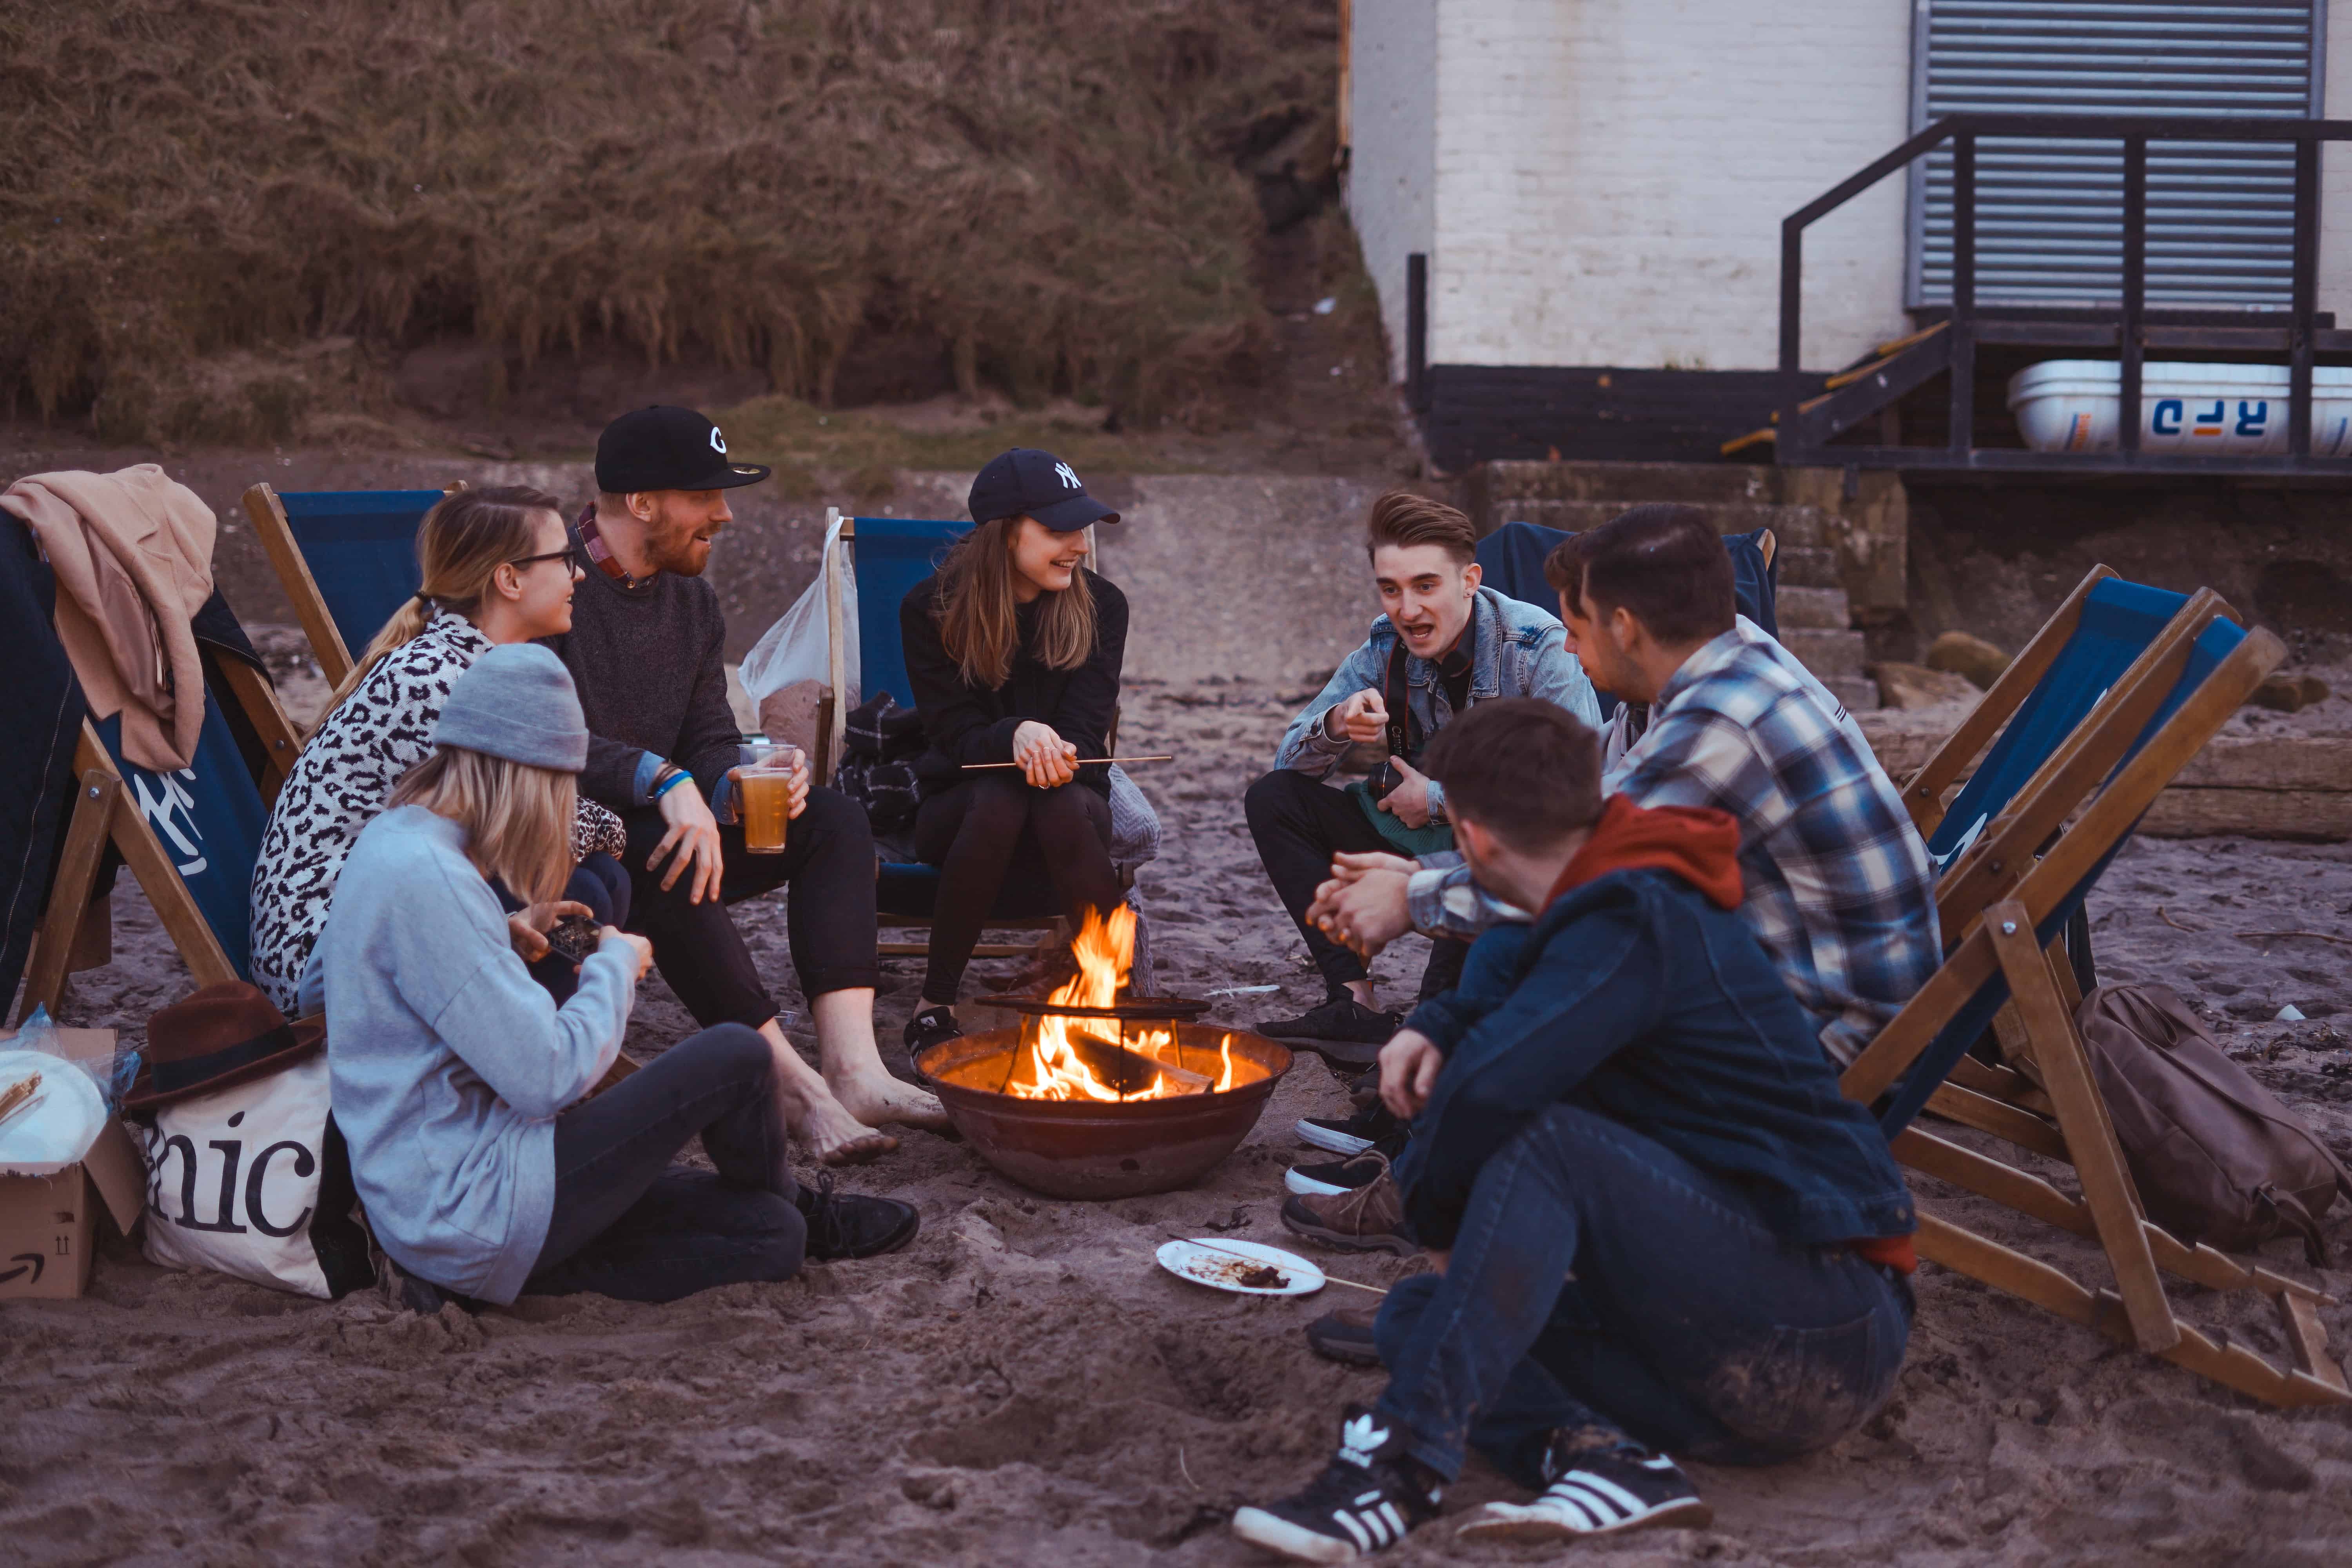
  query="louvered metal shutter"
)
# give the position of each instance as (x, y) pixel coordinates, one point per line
(2050, 213)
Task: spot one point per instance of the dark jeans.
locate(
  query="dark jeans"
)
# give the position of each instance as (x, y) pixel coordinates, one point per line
(1683, 1325)
(598, 882)
(828, 862)
(996, 829)
(1299, 824)
(629, 1224)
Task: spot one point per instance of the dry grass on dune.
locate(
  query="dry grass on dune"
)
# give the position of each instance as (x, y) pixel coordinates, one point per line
(1048, 184)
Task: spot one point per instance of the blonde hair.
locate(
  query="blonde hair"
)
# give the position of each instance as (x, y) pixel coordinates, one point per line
(466, 537)
(517, 818)
(977, 608)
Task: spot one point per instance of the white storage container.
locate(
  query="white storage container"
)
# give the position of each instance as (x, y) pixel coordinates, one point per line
(2069, 406)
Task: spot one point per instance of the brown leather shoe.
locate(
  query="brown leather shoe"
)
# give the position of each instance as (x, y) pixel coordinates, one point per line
(1344, 1335)
(1368, 1219)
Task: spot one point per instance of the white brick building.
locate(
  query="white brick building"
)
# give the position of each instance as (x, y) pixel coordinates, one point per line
(1601, 183)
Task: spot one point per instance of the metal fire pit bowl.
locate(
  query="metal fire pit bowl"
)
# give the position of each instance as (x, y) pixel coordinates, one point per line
(1101, 1149)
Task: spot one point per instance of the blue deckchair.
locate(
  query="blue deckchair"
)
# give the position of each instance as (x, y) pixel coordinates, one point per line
(2009, 891)
(891, 554)
(346, 558)
(189, 836)
(1512, 559)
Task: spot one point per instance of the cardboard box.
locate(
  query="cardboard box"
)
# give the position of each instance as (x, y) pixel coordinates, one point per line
(48, 1225)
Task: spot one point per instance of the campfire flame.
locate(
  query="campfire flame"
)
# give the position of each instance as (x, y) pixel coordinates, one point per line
(1066, 1058)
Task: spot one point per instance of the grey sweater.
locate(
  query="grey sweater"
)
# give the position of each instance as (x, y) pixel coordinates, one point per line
(648, 662)
(448, 1063)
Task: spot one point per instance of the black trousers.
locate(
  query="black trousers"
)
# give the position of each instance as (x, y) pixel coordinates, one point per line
(1299, 825)
(995, 831)
(827, 863)
(629, 1224)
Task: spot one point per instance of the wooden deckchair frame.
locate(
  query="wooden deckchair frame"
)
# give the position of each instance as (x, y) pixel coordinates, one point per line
(1992, 902)
(275, 530)
(832, 733)
(104, 814)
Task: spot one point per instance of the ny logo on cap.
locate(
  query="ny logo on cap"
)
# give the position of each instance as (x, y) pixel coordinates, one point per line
(1068, 477)
(717, 442)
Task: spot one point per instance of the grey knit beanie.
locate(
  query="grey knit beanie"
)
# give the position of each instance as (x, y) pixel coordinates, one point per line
(516, 702)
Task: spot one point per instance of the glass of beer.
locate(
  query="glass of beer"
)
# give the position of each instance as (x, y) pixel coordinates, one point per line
(763, 791)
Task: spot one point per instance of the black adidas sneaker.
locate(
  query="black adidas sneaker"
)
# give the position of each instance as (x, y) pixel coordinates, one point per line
(1369, 1496)
(1370, 1125)
(1596, 1494)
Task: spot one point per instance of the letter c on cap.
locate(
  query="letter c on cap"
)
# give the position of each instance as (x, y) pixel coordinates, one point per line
(717, 442)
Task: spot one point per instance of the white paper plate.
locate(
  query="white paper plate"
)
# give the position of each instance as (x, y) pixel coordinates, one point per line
(1214, 1264)
(58, 1130)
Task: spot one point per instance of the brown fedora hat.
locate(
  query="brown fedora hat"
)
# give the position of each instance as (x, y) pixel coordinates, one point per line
(224, 1035)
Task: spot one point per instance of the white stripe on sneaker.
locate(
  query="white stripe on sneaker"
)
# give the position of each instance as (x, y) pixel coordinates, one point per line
(1633, 1507)
(1602, 1512)
(1579, 1518)
(1395, 1519)
(1365, 1540)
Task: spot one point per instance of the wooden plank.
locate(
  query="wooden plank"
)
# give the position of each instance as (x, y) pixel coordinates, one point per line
(2306, 1340)
(1989, 1178)
(96, 796)
(2066, 1077)
(1985, 1114)
(1923, 795)
(2309, 814)
(2000, 1083)
(279, 742)
(268, 514)
(837, 652)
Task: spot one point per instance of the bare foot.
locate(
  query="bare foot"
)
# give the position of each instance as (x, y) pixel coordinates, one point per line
(835, 1136)
(877, 1097)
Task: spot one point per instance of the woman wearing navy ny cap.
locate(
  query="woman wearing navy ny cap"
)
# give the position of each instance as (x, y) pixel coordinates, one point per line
(1013, 651)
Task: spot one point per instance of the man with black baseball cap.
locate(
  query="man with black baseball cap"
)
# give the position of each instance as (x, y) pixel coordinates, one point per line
(645, 651)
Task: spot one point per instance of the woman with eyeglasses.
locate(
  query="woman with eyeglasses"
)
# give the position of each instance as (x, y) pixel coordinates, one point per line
(499, 568)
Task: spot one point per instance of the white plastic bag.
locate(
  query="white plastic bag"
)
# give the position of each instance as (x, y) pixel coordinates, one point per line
(794, 649)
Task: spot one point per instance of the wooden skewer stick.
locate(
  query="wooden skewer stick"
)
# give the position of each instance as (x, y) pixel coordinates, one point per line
(18, 1095)
(1262, 1263)
(1074, 761)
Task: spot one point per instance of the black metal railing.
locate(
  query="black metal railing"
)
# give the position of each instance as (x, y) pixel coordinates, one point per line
(1805, 428)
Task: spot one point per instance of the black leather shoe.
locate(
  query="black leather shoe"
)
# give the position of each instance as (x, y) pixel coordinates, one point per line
(852, 1225)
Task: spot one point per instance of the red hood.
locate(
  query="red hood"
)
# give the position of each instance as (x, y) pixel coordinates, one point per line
(1696, 843)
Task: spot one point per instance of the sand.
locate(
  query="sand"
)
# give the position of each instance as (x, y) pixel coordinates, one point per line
(1022, 1386)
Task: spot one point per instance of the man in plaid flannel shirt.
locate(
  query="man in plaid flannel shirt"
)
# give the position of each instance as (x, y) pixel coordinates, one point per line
(1840, 889)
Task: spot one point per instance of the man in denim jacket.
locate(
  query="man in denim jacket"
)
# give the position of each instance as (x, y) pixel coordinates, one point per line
(1463, 645)
(1660, 1228)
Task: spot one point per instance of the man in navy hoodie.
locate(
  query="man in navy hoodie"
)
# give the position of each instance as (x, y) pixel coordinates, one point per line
(1660, 1226)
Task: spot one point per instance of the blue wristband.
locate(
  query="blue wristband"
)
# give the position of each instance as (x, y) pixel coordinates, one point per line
(669, 784)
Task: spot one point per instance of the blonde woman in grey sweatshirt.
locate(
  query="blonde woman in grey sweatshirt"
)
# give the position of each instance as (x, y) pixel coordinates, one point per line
(462, 1086)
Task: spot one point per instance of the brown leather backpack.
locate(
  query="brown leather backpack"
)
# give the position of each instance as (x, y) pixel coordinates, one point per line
(2217, 1158)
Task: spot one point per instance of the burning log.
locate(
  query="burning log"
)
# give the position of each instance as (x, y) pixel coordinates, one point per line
(1134, 1073)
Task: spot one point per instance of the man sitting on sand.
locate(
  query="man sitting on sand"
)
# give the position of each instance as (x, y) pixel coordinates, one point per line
(645, 650)
(1660, 1227)
(1841, 890)
(1443, 645)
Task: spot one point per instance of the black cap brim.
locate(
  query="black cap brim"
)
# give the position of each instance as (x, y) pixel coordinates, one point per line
(1071, 515)
(732, 475)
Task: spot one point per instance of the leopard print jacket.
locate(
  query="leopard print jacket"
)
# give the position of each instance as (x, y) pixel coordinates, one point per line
(341, 782)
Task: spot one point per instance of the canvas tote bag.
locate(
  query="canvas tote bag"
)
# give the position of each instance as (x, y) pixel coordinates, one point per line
(255, 1181)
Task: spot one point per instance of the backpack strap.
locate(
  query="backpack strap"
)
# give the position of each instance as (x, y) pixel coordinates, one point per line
(1396, 697)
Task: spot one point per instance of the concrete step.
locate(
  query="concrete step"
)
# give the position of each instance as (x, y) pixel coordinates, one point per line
(1820, 609)
(1643, 482)
(1859, 693)
(1826, 653)
(1802, 566)
(1805, 526)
